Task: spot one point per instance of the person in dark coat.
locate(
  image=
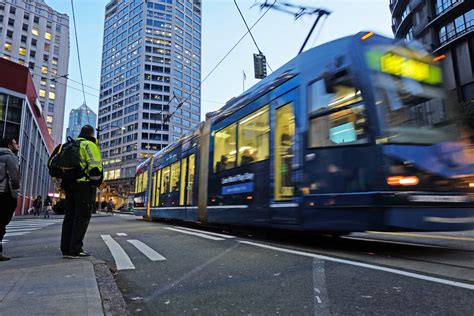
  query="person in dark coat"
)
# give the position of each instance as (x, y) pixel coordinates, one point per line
(9, 185)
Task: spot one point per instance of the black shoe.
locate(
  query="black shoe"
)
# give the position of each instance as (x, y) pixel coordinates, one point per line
(3, 258)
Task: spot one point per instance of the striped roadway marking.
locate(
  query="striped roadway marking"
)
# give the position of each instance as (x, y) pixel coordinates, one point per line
(122, 260)
(147, 251)
(365, 265)
(205, 232)
(121, 234)
(423, 236)
(194, 234)
(23, 227)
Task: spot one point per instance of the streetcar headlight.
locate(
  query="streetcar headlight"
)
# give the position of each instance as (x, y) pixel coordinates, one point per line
(471, 185)
(403, 180)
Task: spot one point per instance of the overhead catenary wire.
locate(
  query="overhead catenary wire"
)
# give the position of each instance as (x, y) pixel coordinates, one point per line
(77, 48)
(55, 79)
(220, 61)
(247, 26)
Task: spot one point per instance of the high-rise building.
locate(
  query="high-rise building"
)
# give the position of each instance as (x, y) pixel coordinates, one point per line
(445, 28)
(35, 35)
(151, 63)
(79, 117)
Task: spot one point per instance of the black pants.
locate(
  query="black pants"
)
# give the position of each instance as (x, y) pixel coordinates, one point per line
(79, 204)
(8, 206)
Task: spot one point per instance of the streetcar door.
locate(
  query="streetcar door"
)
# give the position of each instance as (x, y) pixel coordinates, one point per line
(283, 208)
(283, 153)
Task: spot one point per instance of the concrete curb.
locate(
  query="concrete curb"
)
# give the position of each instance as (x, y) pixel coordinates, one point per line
(113, 302)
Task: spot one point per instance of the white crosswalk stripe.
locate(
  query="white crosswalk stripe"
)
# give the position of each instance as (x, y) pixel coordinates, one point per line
(25, 226)
(122, 259)
(147, 251)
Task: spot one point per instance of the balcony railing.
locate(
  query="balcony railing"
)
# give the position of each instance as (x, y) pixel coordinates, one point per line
(446, 6)
(456, 32)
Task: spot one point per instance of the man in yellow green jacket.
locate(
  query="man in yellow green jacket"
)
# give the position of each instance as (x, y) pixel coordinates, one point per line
(80, 196)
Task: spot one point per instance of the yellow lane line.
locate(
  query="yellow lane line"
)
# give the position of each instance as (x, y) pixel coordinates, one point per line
(423, 236)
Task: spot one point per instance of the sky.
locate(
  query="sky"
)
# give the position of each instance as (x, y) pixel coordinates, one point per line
(277, 34)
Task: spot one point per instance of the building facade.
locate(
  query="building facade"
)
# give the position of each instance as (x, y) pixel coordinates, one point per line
(79, 117)
(35, 35)
(22, 119)
(445, 28)
(151, 68)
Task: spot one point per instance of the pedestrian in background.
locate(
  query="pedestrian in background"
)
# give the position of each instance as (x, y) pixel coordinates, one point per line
(80, 195)
(37, 204)
(9, 185)
(48, 206)
(110, 207)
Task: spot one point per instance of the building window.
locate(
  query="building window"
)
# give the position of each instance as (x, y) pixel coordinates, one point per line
(35, 31)
(47, 36)
(43, 81)
(55, 61)
(46, 47)
(44, 70)
(11, 22)
(52, 95)
(50, 130)
(36, 19)
(22, 51)
(32, 54)
(42, 93)
(10, 34)
(8, 47)
(33, 42)
(25, 27)
(49, 119)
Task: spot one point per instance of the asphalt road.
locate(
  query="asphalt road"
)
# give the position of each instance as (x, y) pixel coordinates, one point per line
(170, 269)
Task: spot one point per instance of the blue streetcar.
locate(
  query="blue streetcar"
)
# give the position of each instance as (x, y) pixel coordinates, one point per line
(333, 141)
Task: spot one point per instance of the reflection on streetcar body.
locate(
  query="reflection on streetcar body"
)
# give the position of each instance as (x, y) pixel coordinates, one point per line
(342, 138)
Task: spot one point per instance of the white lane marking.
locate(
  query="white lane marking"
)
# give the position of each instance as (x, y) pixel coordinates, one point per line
(228, 206)
(16, 234)
(366, 265)
(194, 234)
(121, 234)
(321, 303)
(205, 232)
(122, 260)
(284, 205)
(21, 229)
(392, 242)
(5, 241)
(147, 251)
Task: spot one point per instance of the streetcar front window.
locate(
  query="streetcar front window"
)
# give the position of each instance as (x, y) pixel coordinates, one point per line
(409, 110)
(337, 115)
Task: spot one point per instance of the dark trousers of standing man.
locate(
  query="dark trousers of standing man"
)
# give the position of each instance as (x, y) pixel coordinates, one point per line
(79, 204)
(7, 208)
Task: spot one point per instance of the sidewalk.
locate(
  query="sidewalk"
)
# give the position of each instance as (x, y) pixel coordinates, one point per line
(49, 286)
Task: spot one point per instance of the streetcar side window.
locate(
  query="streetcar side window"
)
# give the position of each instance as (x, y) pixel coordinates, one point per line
(144, 181)
(191, 168)
(174, 177)
(182, 183)
(336, 127)
(165, 180)
(254, 134)
(225, 148)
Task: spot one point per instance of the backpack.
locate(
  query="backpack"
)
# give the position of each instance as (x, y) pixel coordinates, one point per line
(65, 161)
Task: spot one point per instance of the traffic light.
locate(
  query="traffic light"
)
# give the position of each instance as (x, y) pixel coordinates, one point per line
(260, 66)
